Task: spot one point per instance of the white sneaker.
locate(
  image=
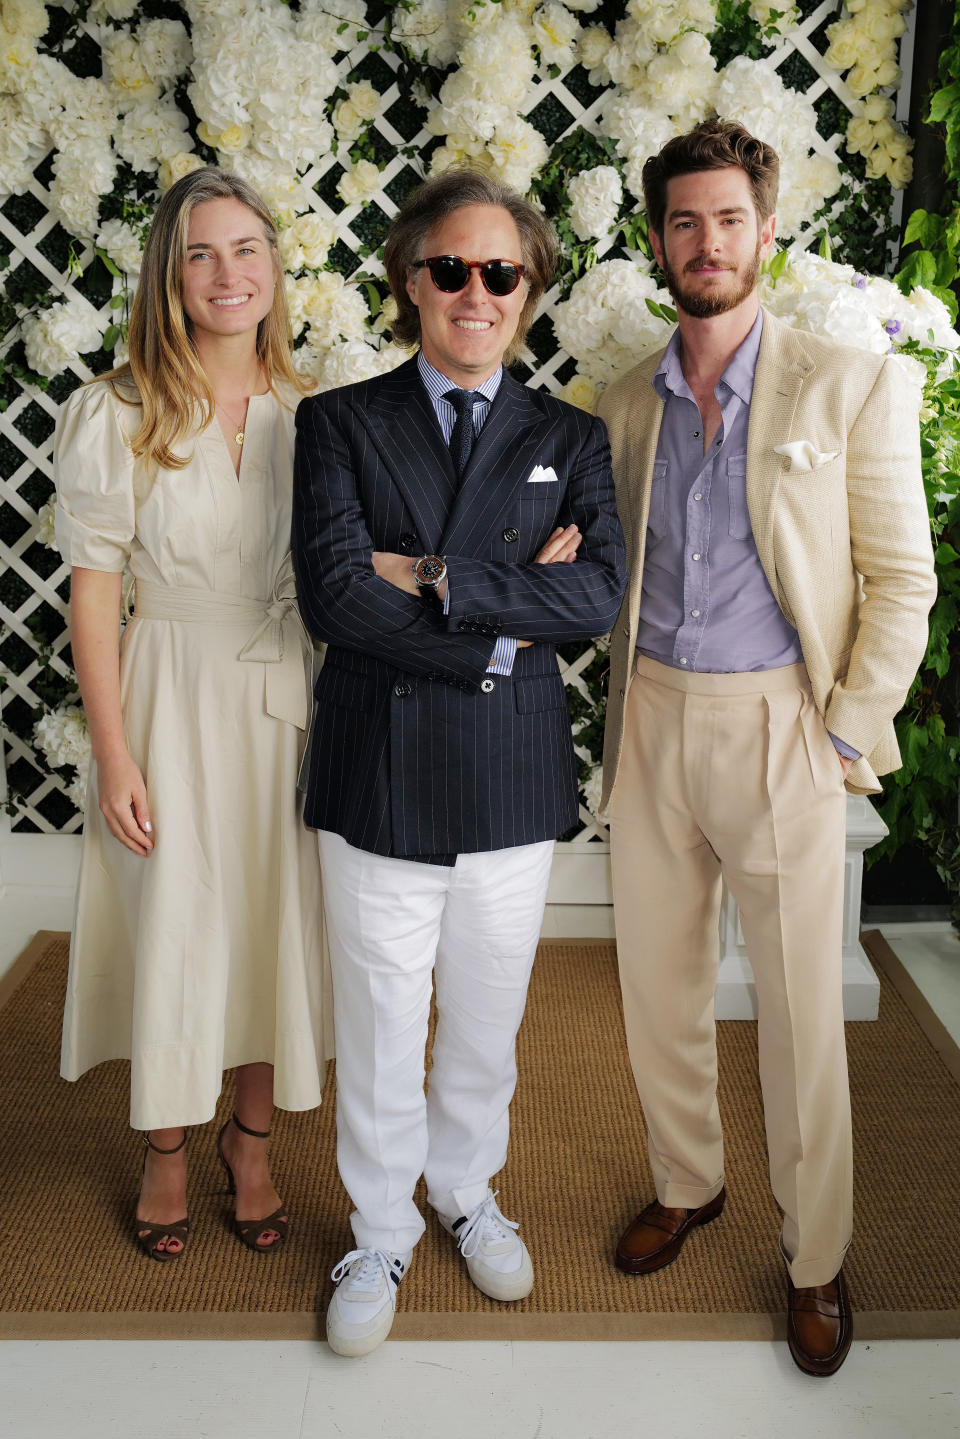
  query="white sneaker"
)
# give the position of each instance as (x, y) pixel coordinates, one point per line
(496, 1256)
(360, 1314)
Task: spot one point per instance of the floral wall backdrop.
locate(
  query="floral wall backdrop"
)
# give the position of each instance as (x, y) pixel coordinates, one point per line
(335, 110)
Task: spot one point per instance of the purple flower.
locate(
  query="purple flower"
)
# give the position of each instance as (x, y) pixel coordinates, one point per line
(860, 282)
(893, 327)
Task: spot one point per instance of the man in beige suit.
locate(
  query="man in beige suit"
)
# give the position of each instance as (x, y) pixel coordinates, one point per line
(781, 571)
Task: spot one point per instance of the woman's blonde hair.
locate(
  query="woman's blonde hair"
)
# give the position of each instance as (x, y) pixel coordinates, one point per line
(163, 366)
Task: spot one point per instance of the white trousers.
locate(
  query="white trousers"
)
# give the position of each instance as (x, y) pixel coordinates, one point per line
(394, 925)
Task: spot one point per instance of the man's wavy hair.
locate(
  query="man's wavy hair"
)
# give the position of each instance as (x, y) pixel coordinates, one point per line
(428, 207)
(712, 145)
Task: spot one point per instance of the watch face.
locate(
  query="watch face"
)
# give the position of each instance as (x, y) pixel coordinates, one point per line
(429, 570)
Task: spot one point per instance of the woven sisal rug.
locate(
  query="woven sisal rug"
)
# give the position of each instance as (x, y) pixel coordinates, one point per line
(577, 1172)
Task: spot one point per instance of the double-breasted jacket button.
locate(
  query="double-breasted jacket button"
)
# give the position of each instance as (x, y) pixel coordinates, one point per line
(408, 543)
(402, 690)
(487, 686)
(511, 535)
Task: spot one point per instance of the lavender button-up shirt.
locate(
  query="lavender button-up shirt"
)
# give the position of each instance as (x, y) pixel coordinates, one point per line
(706, 603)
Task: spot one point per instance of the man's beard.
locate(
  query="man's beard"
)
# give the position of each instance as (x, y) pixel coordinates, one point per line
(705, 304)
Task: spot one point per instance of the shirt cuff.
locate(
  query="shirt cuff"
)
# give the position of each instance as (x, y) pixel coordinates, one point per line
(846, 750)
(504, 654)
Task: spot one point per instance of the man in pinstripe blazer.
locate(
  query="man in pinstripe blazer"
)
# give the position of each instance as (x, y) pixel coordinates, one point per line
(450, 528)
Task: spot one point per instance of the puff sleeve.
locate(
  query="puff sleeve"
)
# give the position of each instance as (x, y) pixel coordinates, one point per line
(93, 473)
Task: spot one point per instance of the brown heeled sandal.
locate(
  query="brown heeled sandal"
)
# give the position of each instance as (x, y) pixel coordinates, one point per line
(148, 1234)
(248, 1231)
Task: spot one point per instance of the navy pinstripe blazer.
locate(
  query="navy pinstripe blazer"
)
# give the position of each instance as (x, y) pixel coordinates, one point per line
(415, 752)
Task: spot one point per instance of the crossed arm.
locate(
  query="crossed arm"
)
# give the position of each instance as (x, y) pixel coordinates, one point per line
(366, 600)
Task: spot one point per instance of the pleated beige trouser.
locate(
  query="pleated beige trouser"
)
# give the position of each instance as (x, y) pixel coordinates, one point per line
(735, 776)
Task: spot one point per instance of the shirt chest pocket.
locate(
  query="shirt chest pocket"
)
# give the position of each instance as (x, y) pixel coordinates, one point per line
(657, 514)
(738, 516)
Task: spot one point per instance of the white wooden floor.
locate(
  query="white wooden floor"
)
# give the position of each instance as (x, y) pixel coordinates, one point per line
(134, 1390)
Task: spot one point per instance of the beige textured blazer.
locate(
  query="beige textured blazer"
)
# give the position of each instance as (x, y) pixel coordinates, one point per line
(845, 544)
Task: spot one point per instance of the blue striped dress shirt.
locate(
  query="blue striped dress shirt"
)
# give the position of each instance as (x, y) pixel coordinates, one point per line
(505, 649)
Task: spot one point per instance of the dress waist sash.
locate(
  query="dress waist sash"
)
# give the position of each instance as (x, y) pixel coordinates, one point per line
(278, 640)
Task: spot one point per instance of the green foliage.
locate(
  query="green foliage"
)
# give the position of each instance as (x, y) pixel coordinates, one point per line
(921, 799)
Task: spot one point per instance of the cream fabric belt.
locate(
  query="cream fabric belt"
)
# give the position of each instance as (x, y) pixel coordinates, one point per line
(279, 641)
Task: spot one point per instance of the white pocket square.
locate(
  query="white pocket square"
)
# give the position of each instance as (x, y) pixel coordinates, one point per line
(540, 476)
(804, 456)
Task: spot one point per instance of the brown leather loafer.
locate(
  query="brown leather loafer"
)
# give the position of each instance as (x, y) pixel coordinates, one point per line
(656, 1236)
(819, 1325)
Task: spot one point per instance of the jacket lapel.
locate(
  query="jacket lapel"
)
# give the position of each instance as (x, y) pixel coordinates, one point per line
(642, 432)
(404, 428)
(782, 367)
(502, 457)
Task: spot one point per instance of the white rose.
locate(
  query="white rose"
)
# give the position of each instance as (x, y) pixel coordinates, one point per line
(307, 242)
(176, 166)
(123, 244)
(227, 142)
(115, 9)
(582, 392)
(360, 183)
(595, 197)
(365, 100)
(554, 31)
(346, 120)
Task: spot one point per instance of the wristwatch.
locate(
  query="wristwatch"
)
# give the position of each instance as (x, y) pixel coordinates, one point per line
(429, 573)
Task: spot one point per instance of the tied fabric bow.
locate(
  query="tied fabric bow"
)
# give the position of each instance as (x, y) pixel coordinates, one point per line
(804, 456)
(281, 643)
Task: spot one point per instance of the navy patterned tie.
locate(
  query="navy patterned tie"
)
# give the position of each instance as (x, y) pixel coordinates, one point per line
(461, 440)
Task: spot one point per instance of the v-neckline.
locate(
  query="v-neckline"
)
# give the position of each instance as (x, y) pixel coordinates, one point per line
(238, 469)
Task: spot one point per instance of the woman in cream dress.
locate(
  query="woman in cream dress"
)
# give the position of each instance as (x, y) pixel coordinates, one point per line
(198, 943)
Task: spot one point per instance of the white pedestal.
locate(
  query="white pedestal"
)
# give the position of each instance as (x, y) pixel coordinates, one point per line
(580, 896)
(736, 993)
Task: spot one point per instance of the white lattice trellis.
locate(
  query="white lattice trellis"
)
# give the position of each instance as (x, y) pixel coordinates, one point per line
(33, 582)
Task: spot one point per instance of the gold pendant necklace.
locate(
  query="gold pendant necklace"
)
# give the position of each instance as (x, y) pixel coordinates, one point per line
(240, 434)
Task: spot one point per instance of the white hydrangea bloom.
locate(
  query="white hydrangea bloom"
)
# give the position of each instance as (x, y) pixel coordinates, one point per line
(46, 525)
(348, 361)
(605, 323)
(147, 134)
(63, 736)
(57, 337)
(593, 790)
(165, 49)
(752, 93)
(23, 144)
(125, 70)
(595, 198)
(82, 176)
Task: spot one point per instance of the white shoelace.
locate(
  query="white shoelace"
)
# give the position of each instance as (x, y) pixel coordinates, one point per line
(375, 1263)
(470, 1235)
